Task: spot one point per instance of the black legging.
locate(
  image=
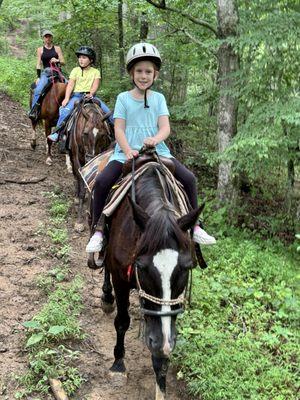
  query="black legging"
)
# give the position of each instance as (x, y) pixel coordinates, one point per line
(106, 179)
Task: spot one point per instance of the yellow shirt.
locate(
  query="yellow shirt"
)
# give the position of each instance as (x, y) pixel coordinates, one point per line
(84, 78)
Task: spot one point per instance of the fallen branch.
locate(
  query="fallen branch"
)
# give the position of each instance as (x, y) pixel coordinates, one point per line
(57, 389)
(23, 181)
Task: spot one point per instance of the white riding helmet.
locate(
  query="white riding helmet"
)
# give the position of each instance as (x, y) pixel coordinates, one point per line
(142, 52)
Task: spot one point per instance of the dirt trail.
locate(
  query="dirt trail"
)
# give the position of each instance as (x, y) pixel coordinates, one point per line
(14, 40)
(23, 256)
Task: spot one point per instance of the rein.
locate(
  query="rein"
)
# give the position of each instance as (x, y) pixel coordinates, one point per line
(181, 299)
(54, 68)
(156, 300)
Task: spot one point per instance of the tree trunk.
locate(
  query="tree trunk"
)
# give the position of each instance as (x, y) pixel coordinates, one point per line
(121, 39)
(144, 29)
(227, 15)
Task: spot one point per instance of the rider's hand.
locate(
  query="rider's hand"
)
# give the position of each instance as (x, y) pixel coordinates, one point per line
(150, 142)
(64, 102)
(89, 96)
(54, 60)
(131, 154)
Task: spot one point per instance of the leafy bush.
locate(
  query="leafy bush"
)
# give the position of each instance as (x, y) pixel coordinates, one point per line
(16, 77)
(238, 340)
(47, 334)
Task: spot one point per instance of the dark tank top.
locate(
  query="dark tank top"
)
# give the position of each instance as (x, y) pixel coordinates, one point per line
(47, 54)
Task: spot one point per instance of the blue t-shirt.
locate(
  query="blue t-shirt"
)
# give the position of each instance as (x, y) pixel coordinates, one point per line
(140, 122)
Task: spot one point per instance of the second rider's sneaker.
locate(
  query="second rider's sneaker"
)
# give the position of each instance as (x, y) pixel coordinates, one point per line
(53, 137)
(202, 237)
(95, 243)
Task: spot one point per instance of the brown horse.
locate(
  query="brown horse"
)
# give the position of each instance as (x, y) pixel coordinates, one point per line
(90, 136)
(149, 248)
(49, 115)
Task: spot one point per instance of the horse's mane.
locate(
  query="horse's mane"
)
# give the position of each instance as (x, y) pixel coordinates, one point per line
(97, 113)
(162, 227)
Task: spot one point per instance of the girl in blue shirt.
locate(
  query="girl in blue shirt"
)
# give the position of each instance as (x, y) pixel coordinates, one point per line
(141, 118)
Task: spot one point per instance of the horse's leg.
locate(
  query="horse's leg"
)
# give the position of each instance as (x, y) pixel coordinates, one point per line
(122, 322)
(160, 366)
(33, 136)
(107, 296)
(80, 193)
(48, 143)
(69, 164)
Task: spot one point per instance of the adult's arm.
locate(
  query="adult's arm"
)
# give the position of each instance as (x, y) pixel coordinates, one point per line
(39, 58)
(60, 55)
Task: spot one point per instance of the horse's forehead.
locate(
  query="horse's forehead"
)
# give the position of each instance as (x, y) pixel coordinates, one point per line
(165, 262)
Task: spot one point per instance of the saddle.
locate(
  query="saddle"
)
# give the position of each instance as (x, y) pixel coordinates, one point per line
(147, 159)
(146, 155)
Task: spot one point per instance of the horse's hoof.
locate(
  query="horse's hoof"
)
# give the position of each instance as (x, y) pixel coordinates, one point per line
(79, 228)
(107, 308)
(33, 144)
(49, 161)
(117, 373)
(117, 379)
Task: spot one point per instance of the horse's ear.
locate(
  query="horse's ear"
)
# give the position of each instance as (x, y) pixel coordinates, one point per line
(140, 216)
(189, 220)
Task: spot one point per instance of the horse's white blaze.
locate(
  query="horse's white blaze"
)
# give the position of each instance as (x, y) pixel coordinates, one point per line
(95, 131)
(165, 261)
(68, 163)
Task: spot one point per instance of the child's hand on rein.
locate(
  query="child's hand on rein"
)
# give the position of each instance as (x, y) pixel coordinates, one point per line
(131, 154)
(150, 142)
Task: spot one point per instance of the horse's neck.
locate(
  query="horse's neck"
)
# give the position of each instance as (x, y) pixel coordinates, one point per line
(150, 194)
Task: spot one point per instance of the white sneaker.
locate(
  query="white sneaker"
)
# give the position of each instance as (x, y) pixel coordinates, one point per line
(202, 237)
(95, 243)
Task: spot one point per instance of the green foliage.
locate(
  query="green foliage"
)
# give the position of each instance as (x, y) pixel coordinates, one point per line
(16, 77)
(47, 335)
(239, 339)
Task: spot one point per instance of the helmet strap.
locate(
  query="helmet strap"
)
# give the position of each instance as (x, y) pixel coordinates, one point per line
(145, 93)
(82, 68)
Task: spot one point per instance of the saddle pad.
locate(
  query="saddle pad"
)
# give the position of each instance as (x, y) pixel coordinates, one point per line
(90, 170)
(125, 184)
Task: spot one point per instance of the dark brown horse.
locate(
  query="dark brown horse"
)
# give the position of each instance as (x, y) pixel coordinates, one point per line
(90, 136)
(49, 115)
(149, 237)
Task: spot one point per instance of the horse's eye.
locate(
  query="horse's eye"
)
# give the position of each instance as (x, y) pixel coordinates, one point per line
(189, 265)
(186, 262)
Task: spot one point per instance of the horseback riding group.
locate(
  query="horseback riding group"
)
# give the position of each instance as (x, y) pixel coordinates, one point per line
(144, 207)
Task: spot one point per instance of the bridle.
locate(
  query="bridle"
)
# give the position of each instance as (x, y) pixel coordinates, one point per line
(181, 300)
